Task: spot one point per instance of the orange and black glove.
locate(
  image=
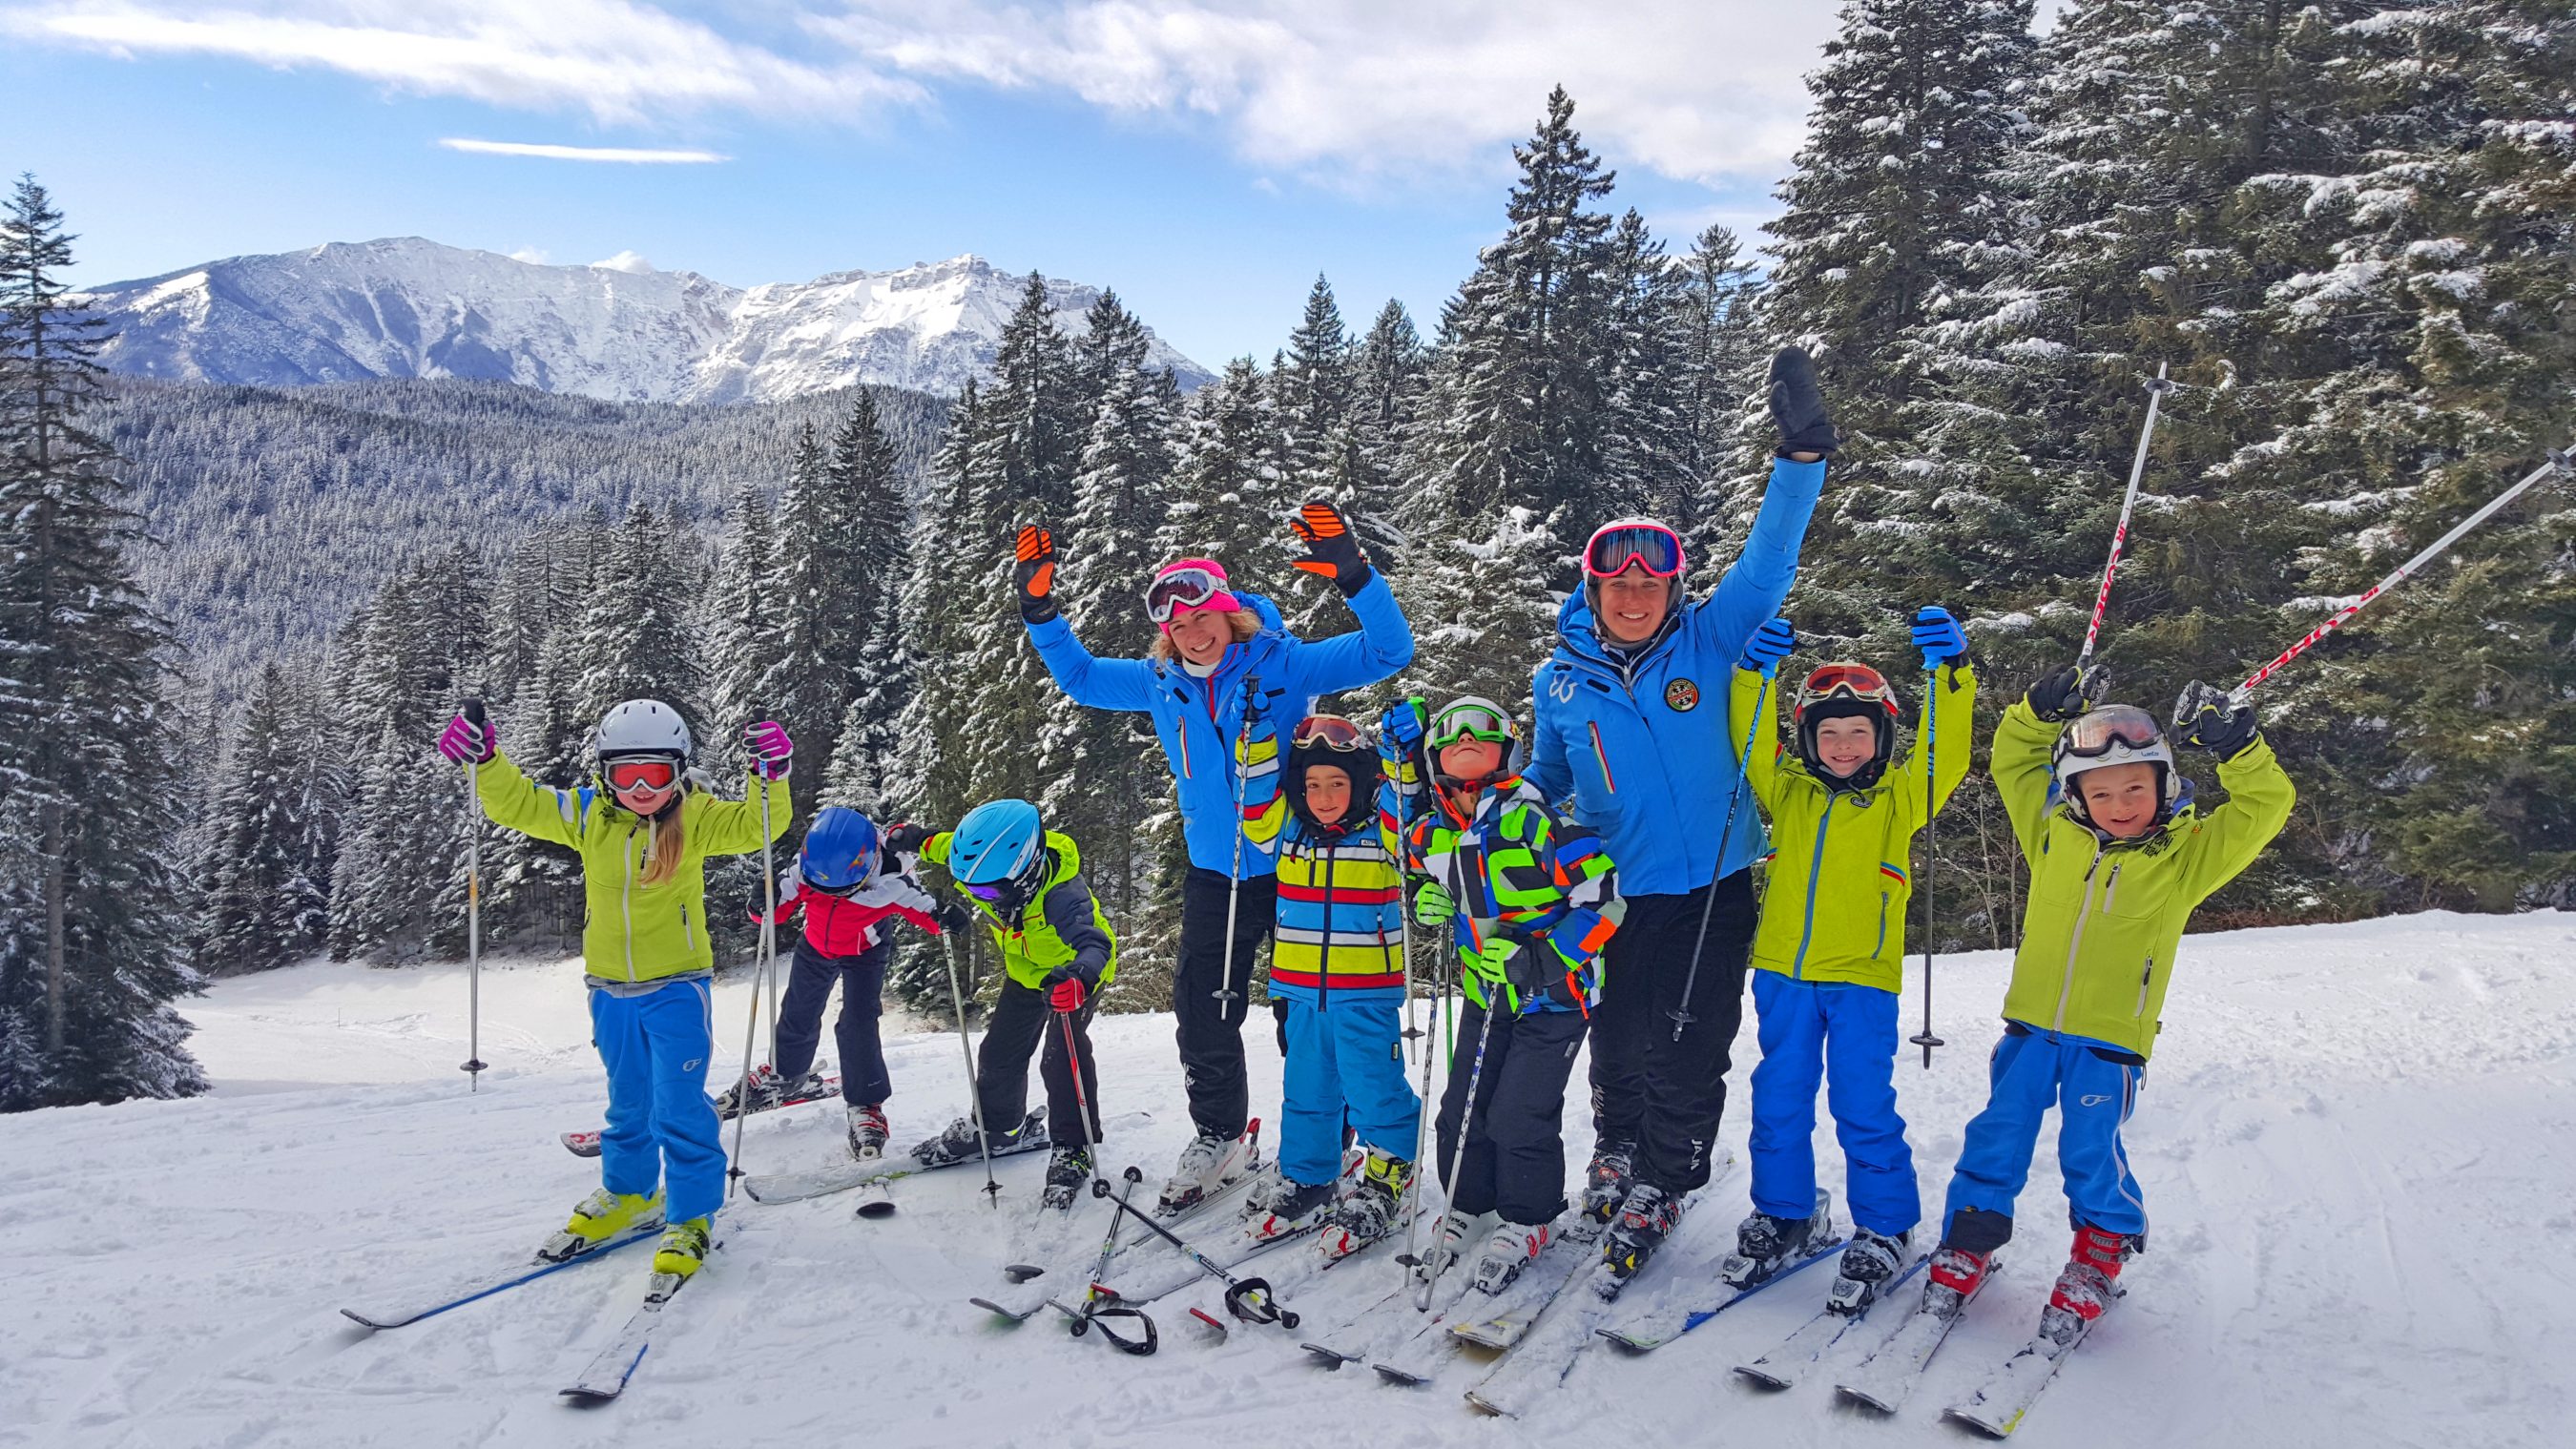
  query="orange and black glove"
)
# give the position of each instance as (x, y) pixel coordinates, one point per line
(1331, 551)
(1034, 574)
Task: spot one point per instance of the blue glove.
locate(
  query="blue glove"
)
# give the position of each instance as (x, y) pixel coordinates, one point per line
(1401, 728)
(1769, 645)
(1938, 636)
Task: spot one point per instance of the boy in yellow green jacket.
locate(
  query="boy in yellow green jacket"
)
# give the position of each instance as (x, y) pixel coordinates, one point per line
(2119, 857)
(643, 831)
(1829, 953)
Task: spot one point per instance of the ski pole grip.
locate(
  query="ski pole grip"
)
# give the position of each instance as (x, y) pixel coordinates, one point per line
(473, 710)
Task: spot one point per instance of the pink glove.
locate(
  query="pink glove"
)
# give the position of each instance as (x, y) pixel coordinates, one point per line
(770, 747)
(1067, 995)
(468, 738)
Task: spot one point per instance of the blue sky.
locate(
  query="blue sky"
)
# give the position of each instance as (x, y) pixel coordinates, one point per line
(1206, 159)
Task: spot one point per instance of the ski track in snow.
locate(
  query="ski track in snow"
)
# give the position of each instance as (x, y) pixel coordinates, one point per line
(2358, 1146)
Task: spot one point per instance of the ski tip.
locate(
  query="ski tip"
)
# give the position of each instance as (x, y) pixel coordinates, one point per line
(1485, 1405)
(1761, 1378)
(1969, 1418)
(875, 1208)
(1022, 1272)
(1854, 1396)
(362, 1320)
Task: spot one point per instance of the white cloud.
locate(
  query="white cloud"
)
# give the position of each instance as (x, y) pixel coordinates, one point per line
(1705, 90)
(623, 61)
(629, 260)
(630, 155)
(533, 256)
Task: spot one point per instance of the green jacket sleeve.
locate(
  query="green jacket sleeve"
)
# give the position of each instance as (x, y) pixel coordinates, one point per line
(935, 849)
(2020, 768)
(1954, 722)
(2227, 839)
(1748, 697)
(732, 827)
(521, 804)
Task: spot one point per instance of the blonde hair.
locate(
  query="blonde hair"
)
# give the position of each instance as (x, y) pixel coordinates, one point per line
(1244, 622)
(669, 842)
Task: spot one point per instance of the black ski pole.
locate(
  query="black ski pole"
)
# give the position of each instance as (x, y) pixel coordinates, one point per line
(474, 1068)
(1100, 1303)
(1225, 993)
(1248, 1299)
(1931, 776)
(1681, 1015)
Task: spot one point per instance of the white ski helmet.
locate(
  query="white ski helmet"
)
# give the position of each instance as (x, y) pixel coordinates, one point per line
(641, 727)
(2115, 734)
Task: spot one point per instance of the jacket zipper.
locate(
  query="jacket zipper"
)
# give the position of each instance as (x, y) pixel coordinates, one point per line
(1882, 925)
(2144, 979)
(1184, 722)
(2075, 943)
(1601, 755)
(1815, 868)
(626, 900)
(1324, 959)
(2111, 888)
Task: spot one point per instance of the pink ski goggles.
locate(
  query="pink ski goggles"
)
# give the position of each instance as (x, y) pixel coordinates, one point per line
(1191, 583)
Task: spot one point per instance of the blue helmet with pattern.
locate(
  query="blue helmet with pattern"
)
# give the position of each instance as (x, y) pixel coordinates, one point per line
(840, 850)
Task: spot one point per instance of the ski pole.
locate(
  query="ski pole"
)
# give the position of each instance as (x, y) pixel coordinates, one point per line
(2156, 390)
(759, 984)
(1225, 992)
(1081, 1094)
(2560, 461)
(1681, 1014)
(974, 1089)
(1099, 1303)
(473, 1067)
(1248, 1299)
(1931, 773)
(1458, 1159)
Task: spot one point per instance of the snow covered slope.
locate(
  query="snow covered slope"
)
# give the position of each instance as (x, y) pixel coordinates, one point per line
(2358, 1145)
(404, 307)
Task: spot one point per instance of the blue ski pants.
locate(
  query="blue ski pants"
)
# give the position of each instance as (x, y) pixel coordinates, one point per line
(1841, 1036)
(660, 1120)
(1344, 1058)
(2094, 1088)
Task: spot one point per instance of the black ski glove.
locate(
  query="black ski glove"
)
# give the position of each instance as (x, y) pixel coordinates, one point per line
(907, 838)
(2068, 691)
(1331, 551)
(1798, 406)
(1034, 575)
(2209, 719)
(952, 917)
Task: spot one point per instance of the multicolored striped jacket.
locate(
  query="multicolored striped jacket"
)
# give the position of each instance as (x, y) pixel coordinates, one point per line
(1517, 868)
(1340, 917)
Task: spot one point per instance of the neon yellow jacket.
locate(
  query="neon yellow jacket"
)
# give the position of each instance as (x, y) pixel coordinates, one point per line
(1835, 906)
(2098, 940)
(634, 931)
(1063, 925)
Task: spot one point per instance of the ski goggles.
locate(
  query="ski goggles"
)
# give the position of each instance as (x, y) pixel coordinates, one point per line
(1649, 546)
(1469, 722)
(643, 774)
(1328, 732)
(2098, 732)
(1847, 681)
(1187, 586)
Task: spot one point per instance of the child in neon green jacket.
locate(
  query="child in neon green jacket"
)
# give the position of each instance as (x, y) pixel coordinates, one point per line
(1829, 953)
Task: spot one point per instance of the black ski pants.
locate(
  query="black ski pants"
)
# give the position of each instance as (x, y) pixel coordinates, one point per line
(854, 1031)
(1515, 1162)
(1666, 1096)
(1211, 1031)
(1023, 1025)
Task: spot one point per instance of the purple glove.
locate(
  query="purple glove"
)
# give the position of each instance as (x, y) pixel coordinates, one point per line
(770, 747)
(468, 738)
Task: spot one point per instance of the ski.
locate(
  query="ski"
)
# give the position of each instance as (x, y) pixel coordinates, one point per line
(1374, 1332)
(609, 1370)
(1998, 1405)
(779, 1187)
(586, 1144)
(1664, 1322)
(1033, 1284)
(485, 1286)
(1501, 1320)
(1885, 1379)
(1782, 1367)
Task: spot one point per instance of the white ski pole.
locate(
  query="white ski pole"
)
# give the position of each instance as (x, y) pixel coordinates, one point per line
(1931, 774)
(2156, 391)
(1225, 993)
(759, 986)
(974, 1089)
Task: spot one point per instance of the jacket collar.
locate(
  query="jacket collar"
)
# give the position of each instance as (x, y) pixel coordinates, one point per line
(1577, 641)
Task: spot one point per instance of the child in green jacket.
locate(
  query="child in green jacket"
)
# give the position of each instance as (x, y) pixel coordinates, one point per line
(1829, 954)
(2119, 857)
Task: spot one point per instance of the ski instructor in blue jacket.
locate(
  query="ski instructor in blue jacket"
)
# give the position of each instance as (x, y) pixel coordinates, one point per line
(1633, 728)
(1215, 640)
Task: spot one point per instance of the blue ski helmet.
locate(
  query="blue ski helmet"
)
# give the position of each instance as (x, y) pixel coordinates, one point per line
(840, 849)
(998, 842)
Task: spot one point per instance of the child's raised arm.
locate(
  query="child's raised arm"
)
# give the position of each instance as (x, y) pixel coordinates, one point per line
(1953, 707)
(515, 802)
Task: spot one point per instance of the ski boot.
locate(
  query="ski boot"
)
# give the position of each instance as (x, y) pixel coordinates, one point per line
(1765, 1244)
(1206, 1165)
(1954, 1276)
(960, 1142)
(1869, 1264)
(2092, 1275)
(1606, 1184)
(1645, 1220)
(1511, 1248)
(1449, 1244)
(1294, 1206)
(805, 1088)
(1265, 1187)
(1068, 1168)
(1368, 1211)
(602, 1216)
(867, 1130)
(767, 1091)
(684, 1247)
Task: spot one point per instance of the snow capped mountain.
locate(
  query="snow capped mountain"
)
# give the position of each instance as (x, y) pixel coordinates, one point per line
(617, 330)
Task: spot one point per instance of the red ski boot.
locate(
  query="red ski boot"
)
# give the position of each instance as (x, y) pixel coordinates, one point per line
(2092, 1275)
